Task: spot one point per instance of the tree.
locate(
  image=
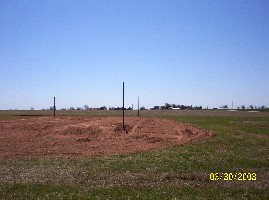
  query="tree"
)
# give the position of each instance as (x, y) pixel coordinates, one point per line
(167, 105)
(243, 107)
(86, 107)
(182, 107)
(103, 108)
(224, 107)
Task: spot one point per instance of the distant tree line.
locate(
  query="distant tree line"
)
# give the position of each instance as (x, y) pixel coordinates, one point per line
(168, 106)
(251, 107)
(86, 107)
(243, 107)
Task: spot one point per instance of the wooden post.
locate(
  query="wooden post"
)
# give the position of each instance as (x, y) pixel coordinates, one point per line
(54, 108)
(123, 106)
(138, 107)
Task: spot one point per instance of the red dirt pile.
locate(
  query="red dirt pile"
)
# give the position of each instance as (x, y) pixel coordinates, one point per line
(73, 136)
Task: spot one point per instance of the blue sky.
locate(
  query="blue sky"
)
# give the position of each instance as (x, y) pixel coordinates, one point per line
(191, 52)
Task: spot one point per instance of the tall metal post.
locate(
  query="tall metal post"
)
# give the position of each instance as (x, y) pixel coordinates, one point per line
(54, 108)
(138, 107)
(123, 106)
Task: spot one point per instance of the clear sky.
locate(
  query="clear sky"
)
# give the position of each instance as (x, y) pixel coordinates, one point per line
(191, 52)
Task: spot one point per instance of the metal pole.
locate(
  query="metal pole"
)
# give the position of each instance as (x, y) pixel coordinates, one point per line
(138, 108)
(54, 107)
(123, 106)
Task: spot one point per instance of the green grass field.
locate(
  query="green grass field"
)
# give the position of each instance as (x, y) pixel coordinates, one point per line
(241, 144)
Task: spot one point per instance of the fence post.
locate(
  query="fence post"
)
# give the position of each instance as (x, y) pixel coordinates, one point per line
(123, 106)
(138, 107)
(54, 108)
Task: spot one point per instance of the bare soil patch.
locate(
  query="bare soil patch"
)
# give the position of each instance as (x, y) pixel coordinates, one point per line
(74, 136)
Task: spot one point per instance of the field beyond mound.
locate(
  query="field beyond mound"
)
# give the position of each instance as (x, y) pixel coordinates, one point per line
(74, 136)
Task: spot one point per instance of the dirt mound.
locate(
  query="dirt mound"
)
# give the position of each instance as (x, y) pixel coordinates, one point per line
(119, 129)
(73, 136)
(83, 130)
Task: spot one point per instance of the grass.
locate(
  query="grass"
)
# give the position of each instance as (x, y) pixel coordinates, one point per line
(19, 191)
(241, 144)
